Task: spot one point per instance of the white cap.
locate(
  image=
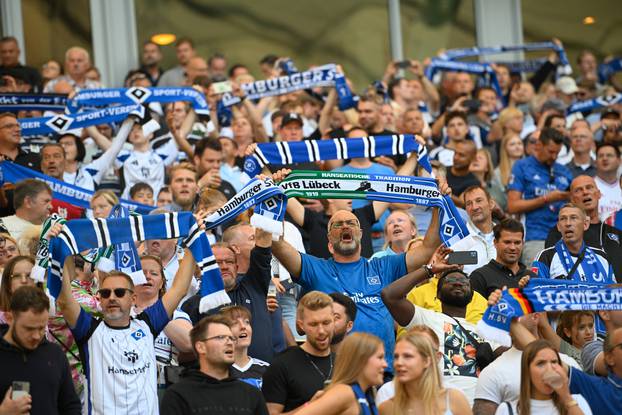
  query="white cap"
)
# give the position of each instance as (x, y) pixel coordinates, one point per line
(566, 85)
(150, 127)
(226, 132)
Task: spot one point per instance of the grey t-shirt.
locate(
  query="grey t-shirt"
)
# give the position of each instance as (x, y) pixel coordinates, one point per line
(588, 355)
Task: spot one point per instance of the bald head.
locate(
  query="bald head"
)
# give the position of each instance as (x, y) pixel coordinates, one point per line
(197, 66)
(585, 194)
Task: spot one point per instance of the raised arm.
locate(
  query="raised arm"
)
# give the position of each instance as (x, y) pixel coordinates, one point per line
(69, 306)
(179, 135)
(105, 160)
(419, 256)
(327, 109)
(181, 282)
(288, 256)
(394, 295)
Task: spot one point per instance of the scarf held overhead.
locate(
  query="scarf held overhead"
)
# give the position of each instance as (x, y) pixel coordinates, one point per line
(83, 234)
(139, 95)
(61, 123)
(286, 153)
(33, 102)
(545, 295)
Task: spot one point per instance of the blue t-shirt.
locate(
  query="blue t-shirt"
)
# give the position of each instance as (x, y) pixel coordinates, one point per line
(604, 395)
(534, 179)
(362, 281)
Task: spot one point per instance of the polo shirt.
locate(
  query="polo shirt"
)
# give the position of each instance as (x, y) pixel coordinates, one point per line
(495, 275)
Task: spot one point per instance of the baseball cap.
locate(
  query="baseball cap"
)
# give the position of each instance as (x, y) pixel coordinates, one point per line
(226, 132)
(566, 85)
(290, 117)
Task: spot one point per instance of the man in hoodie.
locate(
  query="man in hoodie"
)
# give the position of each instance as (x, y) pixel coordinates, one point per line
(27, 357)
(211, 389)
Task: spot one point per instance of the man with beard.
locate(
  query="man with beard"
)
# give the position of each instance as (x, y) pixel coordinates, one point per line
(506, 269)
(53, 165)
(301, 371)
(454, 292)
(585, 194)
(26, 356)
(248, 289)
(344, 310)
(211, 389)
(151, 59)
(571, 258)
(208, 158)
(349, 273)
(121, 350)
(183, 187)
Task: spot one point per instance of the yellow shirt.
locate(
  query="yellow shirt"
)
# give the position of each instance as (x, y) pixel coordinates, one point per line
(425, 296)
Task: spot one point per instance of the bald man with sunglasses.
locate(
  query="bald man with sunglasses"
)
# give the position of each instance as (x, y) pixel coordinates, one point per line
(118, 351)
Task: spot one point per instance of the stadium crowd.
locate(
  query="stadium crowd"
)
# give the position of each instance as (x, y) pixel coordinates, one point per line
(359, 308)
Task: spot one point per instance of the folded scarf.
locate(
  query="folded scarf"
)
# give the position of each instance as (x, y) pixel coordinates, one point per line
(33, 102)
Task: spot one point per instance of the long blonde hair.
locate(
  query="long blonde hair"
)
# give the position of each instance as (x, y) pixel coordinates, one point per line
(352, 357)
(505, 163)
(429, 384)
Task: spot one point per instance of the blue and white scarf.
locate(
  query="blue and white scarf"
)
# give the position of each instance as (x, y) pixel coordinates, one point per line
(286, 153)
(83, 234)
(122, 257)
(484, 70)
(33, 102)
(606, 70)
(139, 95)
(66, 192)
(320, 76)
(460, 53)
(590, 265)
(545, 295)
(61, 123)
(593, 104)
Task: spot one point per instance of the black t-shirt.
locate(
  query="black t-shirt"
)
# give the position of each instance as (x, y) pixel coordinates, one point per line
(598, 235)
(294, 376)
(459, 184)
(494, 276)
(250, 292)
(316, 227)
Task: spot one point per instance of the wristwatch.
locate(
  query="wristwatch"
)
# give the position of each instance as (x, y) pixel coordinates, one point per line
(428, 270)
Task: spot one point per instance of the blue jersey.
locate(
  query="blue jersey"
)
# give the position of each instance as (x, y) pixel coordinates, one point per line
(534, 179)
(603, 394)
(362, 281)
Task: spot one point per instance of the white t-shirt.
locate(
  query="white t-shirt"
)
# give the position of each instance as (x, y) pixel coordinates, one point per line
(481, 243)
(15, 225)
(610, 198)
(500, 381)
(544, 407)
(459, 365)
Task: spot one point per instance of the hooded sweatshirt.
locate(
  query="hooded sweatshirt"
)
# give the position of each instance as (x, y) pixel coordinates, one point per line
(46, 369)
(200, 393)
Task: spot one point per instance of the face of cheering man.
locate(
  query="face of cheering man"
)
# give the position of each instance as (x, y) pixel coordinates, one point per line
(53, 161)
(225, 258)
(216, 348)
(509, 247)
(584, 193)
(116, 295)
(344, 234)
(572, 223)
(318, 326)
(454, 289)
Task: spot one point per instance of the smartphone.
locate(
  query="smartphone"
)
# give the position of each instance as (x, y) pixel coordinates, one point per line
(288, 284)
(403, 64)
(472, 105)
(222, 87)
(462, 258)
(20, 389)
(271, 291)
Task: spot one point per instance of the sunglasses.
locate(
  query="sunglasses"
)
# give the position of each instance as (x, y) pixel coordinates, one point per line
(118, 292)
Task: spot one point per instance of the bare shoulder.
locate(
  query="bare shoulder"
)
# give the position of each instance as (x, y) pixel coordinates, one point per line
(386, 407)
(458, 402)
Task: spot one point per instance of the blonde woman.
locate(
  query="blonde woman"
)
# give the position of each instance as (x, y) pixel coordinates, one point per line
(511, 149)
(102, 203)
(418, 386)
(359, 366)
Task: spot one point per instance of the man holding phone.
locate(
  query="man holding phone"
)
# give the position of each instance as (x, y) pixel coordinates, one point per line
(35, 377)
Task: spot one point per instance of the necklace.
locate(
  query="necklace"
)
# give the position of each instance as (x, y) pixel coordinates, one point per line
(330, 372)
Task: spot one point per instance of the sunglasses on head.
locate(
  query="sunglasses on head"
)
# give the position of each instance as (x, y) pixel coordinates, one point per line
(118, 292)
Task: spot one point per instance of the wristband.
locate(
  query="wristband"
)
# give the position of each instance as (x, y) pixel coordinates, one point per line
(428, 270)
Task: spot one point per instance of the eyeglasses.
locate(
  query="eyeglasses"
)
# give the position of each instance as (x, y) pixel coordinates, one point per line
(340, 224)
(118, 292)
(222, 338)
